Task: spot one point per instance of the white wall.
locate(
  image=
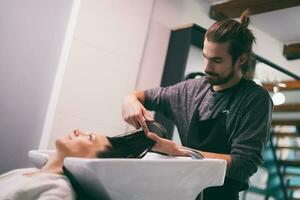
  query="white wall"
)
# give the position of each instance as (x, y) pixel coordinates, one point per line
(195, 61)
(103, 66)
(31, 37)
(271, 49)
(120, 46)
(167, 15)
(170, 14)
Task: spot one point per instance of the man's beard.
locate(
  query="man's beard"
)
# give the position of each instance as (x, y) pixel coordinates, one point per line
(216, 79)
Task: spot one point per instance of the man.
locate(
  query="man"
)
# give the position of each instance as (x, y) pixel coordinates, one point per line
(222, 115)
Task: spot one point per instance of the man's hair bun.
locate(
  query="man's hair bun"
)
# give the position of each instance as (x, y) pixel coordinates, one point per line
(245, 20)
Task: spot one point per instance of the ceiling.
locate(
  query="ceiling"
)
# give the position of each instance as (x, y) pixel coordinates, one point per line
(284, 24)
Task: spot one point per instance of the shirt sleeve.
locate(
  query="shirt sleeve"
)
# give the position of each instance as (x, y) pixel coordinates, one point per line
(166, 99)
(250, 136)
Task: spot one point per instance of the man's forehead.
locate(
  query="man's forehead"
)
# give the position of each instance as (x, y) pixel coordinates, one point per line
(214, 49)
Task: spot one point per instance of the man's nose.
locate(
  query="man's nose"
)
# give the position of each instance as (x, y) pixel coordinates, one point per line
(208, 67)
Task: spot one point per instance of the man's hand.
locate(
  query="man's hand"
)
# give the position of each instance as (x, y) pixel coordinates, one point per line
(166, 146)
(135, 113)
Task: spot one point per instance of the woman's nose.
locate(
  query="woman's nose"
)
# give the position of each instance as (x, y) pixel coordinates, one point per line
(76, 132)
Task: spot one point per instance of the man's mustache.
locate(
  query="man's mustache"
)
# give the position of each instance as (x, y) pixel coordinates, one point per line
(211, 74)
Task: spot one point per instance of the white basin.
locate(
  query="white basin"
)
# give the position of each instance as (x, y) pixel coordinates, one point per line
(153, 177)
(39, 157)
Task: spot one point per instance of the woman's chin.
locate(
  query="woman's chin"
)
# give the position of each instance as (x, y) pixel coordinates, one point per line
(61, 144)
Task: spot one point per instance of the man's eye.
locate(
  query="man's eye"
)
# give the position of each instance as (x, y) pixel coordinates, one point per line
(217, 61)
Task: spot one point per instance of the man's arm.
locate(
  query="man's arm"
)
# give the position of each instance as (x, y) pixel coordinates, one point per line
(137, 95)
(140, 95)
(205, 154)
(134, 112)
(171, 148)
(249, 135)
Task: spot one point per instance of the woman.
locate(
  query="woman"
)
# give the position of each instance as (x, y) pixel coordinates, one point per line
(49, 182)
(52, 180)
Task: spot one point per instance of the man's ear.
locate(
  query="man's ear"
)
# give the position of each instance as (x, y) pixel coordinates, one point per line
(242, 59)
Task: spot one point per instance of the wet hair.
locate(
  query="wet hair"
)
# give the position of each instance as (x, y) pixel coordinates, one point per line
(134, 144)
(238, 35)
(130, 145)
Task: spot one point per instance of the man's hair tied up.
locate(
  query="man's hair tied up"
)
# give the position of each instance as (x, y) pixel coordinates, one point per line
(245, 20)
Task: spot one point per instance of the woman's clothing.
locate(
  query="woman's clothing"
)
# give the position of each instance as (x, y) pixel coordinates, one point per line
(26, 184)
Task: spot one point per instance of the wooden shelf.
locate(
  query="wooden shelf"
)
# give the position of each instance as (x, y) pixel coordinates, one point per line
(293, 187)
(291, 51)
(290, 85)
(285, 122)
(287, 108)
(233, 9)
(291, 174)
(289, 163)
(279, 134)
(288, 148)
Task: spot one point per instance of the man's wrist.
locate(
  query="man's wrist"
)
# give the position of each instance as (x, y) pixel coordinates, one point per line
(193, 153)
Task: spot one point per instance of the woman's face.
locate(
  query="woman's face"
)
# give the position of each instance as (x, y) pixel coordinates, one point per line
(81, 144)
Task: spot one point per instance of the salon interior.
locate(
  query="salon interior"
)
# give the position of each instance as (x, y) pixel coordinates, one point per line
(68, 64)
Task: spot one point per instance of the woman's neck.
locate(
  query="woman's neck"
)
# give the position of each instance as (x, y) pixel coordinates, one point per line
(54, 165)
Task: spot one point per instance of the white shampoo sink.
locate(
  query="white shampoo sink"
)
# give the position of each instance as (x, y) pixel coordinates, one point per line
(153, 177)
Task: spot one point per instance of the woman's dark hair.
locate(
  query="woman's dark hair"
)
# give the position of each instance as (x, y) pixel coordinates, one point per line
(240, 38)
(133, 144)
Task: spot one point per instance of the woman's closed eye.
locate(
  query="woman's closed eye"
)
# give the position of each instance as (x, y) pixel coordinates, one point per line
(91, 137)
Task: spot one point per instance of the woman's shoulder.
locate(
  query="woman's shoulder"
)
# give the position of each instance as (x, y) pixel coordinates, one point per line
(19, 171)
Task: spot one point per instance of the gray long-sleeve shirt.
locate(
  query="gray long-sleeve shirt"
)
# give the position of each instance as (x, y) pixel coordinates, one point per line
(248, 123)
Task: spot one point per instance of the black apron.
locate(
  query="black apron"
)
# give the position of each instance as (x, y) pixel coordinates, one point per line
(210, 135)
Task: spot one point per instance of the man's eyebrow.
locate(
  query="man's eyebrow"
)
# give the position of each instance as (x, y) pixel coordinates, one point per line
(212, 58)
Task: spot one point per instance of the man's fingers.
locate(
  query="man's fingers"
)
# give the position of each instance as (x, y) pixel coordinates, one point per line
(147, 115)
(133, 123)
(154, 137)
(144, 127)
(142, 122)
(181, 152)
(136, 124)
(155, 148)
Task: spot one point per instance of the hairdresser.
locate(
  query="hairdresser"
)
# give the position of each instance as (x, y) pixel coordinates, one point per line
(223, 115)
